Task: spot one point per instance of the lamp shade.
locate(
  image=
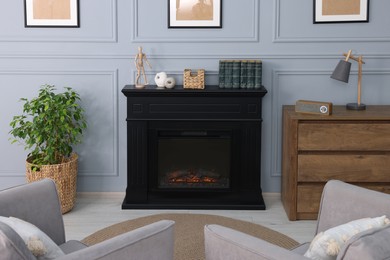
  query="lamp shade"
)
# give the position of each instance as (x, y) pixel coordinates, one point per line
(342, 70)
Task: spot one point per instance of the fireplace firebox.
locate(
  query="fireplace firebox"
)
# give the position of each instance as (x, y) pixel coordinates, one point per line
(193, 159)
(193, 149)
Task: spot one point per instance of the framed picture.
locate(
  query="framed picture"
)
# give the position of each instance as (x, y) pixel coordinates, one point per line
(337, 11)
(51, 13)
(194, 13)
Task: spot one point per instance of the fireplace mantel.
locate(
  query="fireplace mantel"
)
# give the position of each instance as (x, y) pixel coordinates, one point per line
(151, 111)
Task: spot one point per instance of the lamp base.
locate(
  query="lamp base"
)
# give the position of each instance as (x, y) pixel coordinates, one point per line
(356, 106)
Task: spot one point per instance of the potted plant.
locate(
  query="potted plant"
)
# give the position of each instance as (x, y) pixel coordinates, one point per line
(49, 126)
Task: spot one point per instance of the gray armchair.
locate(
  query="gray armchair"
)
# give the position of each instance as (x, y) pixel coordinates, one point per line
(38, 203)
(340, 203)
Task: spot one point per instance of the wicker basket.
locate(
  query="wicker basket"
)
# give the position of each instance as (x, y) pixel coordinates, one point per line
(194, 81)
(65, 177)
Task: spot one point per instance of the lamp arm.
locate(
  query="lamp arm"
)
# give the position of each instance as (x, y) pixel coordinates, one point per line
(350, 56)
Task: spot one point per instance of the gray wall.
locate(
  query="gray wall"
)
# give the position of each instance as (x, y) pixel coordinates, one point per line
(97, 60)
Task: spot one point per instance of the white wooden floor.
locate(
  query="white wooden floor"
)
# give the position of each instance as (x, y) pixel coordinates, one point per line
(94, 211)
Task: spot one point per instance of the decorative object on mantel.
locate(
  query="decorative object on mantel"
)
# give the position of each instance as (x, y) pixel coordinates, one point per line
(342, 72)
(49, 13)
(170, 82)
(336, 11)
(163, 81)
(240, 73)
(160, 79)
(139, 59)
(313, 107)
(195, 14)
(193, 80)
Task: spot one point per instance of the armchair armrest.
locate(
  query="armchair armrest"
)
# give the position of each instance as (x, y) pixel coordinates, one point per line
(342, 202)
(37, 203)
(152, 242)
(222, 243)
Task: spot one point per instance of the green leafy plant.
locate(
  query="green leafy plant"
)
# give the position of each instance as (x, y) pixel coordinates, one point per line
(49, 125)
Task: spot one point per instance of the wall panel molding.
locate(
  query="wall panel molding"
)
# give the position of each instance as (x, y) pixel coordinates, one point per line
(112, 77)
(268, 56)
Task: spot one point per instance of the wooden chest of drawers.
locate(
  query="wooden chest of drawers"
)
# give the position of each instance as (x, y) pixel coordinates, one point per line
(352, 146)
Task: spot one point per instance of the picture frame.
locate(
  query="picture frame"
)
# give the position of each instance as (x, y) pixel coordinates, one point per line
(49, 13)
(336, 11)
(194, 13)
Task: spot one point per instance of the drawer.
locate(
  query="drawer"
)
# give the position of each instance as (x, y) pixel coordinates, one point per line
(345, 167)
(344, 136)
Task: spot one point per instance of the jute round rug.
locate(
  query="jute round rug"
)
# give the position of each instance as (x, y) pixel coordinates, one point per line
(189, 238)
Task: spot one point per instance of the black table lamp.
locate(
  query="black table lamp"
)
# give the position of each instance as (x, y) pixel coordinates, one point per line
(342, 72)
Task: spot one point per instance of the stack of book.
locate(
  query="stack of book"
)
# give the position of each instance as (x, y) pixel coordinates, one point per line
(240, 73)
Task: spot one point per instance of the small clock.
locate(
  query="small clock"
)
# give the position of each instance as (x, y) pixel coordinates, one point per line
(313, 107)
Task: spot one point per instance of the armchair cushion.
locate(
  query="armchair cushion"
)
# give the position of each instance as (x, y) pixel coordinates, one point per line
(327, 245)
(369, 245)
(71, 246)
(37, 242)
(223, 243)
(153, 242)
(12, 246)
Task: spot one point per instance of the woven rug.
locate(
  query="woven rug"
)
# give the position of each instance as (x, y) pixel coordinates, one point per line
(189, 238)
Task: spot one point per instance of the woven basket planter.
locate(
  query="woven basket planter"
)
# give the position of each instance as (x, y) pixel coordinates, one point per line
(65, 177)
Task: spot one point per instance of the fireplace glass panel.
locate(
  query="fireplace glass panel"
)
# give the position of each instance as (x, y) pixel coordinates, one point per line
(194, 161)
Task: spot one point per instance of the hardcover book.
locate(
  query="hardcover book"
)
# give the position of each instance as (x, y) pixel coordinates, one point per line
(243, 74)
(250, 83)
(228, 74)
(258, 74)
(236, 73)
(221, 74)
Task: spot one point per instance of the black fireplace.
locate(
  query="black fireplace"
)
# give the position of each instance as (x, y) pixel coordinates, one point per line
(193, 149)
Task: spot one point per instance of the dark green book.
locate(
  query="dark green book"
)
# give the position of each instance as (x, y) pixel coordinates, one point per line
(228, 74)
(258, 73)
(236, 73)
(251, 74)
(243, 74)
(221, 74)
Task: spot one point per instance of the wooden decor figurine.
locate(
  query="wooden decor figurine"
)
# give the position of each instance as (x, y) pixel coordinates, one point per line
(139, 64)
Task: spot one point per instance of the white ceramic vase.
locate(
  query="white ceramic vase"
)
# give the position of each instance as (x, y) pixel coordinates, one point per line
(170, 82)
(160, 79)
